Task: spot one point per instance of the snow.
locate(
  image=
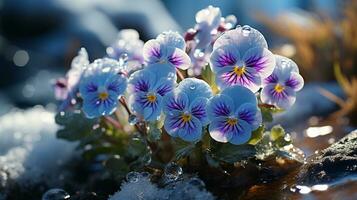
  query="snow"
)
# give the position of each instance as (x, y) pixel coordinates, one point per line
(30, 153)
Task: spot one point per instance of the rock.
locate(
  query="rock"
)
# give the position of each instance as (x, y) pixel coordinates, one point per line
(337, 161)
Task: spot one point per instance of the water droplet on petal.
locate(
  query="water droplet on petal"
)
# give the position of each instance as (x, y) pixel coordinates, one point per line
(124, 57)
(246, 30)
(171, 75)
(133, 177)
(192, 87)
(55, 194)
(133, 119)
(196, 182)
(172, 172)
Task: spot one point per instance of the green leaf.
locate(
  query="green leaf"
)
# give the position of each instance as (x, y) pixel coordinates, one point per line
(183, 148)
(117, 166)
(276, 132)
(233, 153)
(209, 77)
(267, 115)
(75, 126)
(257, 135)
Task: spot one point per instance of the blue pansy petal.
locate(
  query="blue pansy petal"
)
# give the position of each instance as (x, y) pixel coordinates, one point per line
(178, 58)
(220, 106)
(174, 101)
(240, 95)
(153, 111)
(295, 81)
(219, 131)
(171, 38)
(227, 78)
(117, 84)
(242, 133)
(224, 56)
(142, 80)
(164, 86)
(191, 131)
(90, 106)
(173, 122)
(284, 68)
(261, 60)
(284, 99)
(162, 70)
(194, 88)
(251, 114)
(152, 51)
(245, 37)
(198, 109)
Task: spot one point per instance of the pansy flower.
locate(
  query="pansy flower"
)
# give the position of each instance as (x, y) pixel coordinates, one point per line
(241, 57)
(185, 109)
(167, 48)
(234, 114)
(147, 87)
(100, 87)
(128, 46)
(281, 86)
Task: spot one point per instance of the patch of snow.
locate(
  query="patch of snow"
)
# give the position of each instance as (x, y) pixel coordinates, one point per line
(30, 153)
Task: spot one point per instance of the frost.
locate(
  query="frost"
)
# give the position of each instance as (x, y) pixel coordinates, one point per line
(30, 153)
(143, 188)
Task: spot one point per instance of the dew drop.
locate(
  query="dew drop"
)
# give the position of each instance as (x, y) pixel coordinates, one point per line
(171, 75)
(55, 194)
(133, 119)
(62, 113)
(172, 172)
(133, 177)
(124, 57)
(246, 30)
(192, 87)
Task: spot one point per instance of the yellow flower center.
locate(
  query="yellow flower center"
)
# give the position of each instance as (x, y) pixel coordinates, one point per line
(279, 88)
(232, 121)
(151, 98)
(239, 70)
(103, 96)
(186, 117)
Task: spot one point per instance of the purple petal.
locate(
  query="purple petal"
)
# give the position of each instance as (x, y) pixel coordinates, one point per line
(250, 114)
(191, 131)
(152, 51)
(220, 106)
(241, 133)
(296, 82)
(219, 130)
(260, 59)
(198, 109)
(249, 79)
(224, 56)
(283, 99)
(244, 37)
(178, 58)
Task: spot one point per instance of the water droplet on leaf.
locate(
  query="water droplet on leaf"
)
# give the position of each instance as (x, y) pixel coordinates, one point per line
(133, 119)
(55, 194)
(133, 177)
(172, 171)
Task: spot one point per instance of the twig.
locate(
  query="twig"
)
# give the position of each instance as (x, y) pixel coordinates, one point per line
(180, 75)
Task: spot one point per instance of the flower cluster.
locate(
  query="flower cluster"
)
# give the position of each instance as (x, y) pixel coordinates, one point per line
(246, 72)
